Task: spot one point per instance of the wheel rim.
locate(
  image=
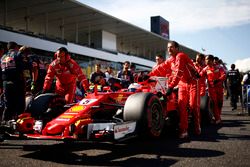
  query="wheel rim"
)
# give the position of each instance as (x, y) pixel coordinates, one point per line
(155, 119)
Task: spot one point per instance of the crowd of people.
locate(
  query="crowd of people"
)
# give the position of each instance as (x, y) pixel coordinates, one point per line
(20, 70)
(206, 74)
(23, 71)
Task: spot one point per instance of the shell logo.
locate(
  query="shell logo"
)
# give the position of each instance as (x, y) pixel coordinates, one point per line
(77, 108)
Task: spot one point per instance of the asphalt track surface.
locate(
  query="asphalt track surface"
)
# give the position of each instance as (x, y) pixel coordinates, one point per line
(226, 145)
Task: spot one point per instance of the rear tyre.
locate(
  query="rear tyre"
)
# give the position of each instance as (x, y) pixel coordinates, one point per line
(147, 111)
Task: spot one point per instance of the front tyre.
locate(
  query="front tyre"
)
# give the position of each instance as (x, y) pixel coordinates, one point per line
(147, 111)
(46, 105)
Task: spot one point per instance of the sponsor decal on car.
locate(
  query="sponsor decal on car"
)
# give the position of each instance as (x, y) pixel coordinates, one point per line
(87, 101)
(62, 119)
(66, 116)
(77, 108)
(122, 130)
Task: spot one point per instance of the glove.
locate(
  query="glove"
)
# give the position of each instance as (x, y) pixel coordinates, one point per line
(169, 91)
(216, 81)
(33, 87)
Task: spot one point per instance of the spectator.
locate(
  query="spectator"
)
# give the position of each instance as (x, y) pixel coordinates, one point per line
(158, 59)
(245, 82)
(13, 82)
(98, 77)
(40, 70)
(246, 79)
(132, 69)
(66, 71)
(30, 69)
(233, 77)
(126, 75)
(109, 73)
(182, 73)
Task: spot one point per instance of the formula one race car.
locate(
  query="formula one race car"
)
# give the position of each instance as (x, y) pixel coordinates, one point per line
(142, 109)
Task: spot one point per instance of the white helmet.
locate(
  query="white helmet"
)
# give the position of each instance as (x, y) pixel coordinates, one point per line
(133, 87)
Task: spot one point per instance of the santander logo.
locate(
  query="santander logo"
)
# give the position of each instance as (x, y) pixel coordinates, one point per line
(122, 129)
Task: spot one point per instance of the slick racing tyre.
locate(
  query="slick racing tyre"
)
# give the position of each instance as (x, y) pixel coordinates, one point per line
(46, 105)
(147, 111)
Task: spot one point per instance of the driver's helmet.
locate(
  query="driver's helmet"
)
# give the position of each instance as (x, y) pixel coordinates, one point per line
(134, 87)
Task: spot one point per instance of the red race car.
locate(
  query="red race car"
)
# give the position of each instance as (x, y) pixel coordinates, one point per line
(107, 115)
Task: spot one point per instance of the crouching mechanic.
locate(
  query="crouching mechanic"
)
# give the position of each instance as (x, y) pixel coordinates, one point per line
(66, 71)
(182, 73)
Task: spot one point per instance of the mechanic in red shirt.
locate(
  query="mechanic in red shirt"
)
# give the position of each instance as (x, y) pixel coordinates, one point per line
(200, 65)
(220, 85)
(66, 71)
(215, 77)
(182, 73)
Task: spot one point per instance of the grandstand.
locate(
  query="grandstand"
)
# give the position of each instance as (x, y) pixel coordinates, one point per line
(90, 35)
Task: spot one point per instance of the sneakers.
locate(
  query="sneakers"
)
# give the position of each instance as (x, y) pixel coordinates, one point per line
(183, 135)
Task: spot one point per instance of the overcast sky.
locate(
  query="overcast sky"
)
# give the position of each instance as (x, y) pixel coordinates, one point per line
(221, 27)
